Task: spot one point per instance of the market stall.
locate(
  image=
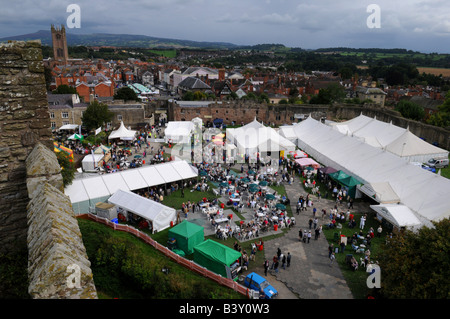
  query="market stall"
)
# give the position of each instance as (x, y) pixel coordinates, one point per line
(218, 258)
(187, 235)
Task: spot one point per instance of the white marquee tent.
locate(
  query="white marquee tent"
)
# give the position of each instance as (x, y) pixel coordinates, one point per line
(123, 133)
(179, 131)
(255, 137)
(287, 131)
(158, 214)
(423, 192)
(84, 193)
(394, 139)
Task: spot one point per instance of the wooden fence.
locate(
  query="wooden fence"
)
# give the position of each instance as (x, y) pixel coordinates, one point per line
(166, 251)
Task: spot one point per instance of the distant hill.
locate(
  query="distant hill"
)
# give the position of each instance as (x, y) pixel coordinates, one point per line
(119, 40)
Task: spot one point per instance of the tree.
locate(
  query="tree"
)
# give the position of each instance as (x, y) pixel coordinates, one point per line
(67, 167)
(333, 93)
(410, 110)
(417, 265)
(188, 96)
(96, 115)
(65, 89)
(126, 93)
(442, 116)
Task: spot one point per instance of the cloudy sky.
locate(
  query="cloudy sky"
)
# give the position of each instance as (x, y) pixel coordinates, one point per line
(421, 25)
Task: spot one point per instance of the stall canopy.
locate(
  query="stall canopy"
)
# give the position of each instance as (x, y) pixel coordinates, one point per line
(306, 161)
(215, 256)
(397, 215)
(337, 176)
(350, 182)
(187, 236)
(86, 192)
(122, 133)
(327, 170)
(76, 136)
(158, 214)
(69, 127)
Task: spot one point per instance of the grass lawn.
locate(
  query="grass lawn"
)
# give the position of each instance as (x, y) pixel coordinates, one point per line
(110, 284)
(175, 200)
(356, 280)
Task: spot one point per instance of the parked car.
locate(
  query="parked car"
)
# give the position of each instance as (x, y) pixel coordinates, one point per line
(438, 162)
(259, 283)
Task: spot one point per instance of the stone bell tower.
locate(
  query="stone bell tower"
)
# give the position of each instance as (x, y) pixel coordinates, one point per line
(60, 51)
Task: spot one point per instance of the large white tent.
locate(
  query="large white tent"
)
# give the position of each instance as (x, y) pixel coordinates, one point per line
(394, 139)
(287, 131)
(255, 137)
(423, 192)
(158, 214)
(398, 215)
(123, 133)
(84, 193)
(178, 131)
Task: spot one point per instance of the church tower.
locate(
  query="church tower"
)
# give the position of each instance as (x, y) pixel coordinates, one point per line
(60, 51)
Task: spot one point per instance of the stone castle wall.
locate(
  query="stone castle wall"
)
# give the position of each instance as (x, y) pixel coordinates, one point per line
(58, 265)
(35, 214)
(24, 120)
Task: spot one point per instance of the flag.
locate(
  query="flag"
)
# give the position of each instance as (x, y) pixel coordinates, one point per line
(98, 130)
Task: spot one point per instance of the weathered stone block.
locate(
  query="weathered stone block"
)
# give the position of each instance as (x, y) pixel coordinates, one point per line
(32, 54)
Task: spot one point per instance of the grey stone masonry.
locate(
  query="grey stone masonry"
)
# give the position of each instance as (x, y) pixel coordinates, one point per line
(58, 266)
(24, 121)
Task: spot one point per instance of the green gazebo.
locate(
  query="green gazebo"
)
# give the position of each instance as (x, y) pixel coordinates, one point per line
(187, 236)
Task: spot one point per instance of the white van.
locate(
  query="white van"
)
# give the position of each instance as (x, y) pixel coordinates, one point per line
(438, 162)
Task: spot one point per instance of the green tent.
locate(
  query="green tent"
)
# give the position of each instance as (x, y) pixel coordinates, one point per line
(187, 236)
(217, 258)
(350, 183)
(337, 176)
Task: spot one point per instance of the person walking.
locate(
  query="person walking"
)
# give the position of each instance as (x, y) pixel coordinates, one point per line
(332, 258)
(266, 267)
(283, 261)
(309, 236)
(316, 233)
(288, 259)
(275, 266)
(330, 250)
